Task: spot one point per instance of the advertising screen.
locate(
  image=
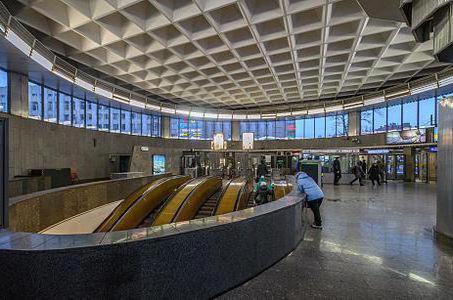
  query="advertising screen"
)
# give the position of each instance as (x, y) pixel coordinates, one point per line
(407, 136)
(158, 164)
(247, 141)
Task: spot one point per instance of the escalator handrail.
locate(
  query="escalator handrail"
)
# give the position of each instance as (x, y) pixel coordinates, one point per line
(220, 196)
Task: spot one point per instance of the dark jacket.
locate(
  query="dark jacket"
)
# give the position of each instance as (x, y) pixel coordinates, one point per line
(336, 166)
(373, 172)
(262, 170)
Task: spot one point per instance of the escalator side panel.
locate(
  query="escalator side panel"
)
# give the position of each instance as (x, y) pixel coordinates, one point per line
(234, 198)
(244, 196)
(149, 202)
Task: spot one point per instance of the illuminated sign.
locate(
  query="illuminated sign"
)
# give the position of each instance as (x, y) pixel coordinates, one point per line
(218, 142)
(378, 151)
(247, 141)
(413, 136)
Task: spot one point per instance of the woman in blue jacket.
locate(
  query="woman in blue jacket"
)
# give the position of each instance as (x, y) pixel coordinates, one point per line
(314, 196)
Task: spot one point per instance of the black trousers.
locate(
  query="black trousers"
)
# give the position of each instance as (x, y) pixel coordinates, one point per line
(336, 178)
(314, 206)
(377, 179)
(359, 178)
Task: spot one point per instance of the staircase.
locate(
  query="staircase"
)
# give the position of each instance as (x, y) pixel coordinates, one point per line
(207, 209)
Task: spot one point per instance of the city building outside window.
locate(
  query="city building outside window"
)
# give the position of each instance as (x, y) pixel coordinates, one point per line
(34, 101)
(3, 91)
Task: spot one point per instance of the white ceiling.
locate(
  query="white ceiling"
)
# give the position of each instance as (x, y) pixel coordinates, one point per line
(232, 54)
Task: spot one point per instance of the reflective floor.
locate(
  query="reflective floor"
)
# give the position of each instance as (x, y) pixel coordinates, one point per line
(376, 243)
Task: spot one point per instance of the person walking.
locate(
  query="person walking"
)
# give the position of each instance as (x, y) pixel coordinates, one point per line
(336, 171)
(373, 174)
(314, 196)
(358, 173)
(364, 168)
(381, 168)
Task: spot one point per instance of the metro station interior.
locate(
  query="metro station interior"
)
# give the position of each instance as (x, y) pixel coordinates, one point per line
(230, 149)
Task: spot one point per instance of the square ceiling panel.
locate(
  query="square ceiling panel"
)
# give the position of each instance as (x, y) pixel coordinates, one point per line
(233, 54)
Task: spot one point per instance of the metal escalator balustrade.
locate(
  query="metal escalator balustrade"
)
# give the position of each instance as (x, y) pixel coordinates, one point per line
(185, 204)
(208, 208)
(138, 205)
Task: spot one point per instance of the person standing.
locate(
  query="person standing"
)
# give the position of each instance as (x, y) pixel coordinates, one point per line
(261, 170)
(358, 173)
(373, 174)
(314, 196)
(336, 171)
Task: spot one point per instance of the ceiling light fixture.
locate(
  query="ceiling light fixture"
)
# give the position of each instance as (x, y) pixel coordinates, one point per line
(102, 92)
(284, 114)
(352, 105)
(397, 94)
(84, 84)
(299, 113)
(210, 115)
(152, 107)
(446, 81)
(137, 103)
(196, 114)
(315, 111)
(182, 112)
(239, 117)
(167, 110)
(253, 117)
(225, 116)
(334, 108)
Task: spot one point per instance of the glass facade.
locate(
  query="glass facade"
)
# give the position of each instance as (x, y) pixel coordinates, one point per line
(300, 128)
(418, 111)
(189, 128)
(114, 119)
(125, 121)
(3, 91)
(50, 105)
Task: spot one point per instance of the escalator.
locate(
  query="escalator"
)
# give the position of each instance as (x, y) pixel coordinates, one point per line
(235, 197)
(138, 205)
(208, 207)
(185, 203)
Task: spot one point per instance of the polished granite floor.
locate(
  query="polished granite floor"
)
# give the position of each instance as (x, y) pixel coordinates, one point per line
(376, 243)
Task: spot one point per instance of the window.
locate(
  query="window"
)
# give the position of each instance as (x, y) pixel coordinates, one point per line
(299, 123)
(410, 115)
(280, 130)
(290, 128)
(92, 115)
(261, 131)
(50, 105)
(157, 128)
(209, 130)
(125, 121)
(3, 91)
(331, 126)
(34, 100)
(366, 121)
(309, 132)
(320, 127)
(174, 127)
(380, 119)
(78, 112)
(394, 117)
(146, 125)
(114, 119)
(103, 117)
(184, 128)
(342, 124)
(65, 115)
(427, 112)
(136, 120)
(227, 130)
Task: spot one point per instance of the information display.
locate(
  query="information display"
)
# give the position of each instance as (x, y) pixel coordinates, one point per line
(158, 164)
(407, 136)
(218, 142)
(247, 141)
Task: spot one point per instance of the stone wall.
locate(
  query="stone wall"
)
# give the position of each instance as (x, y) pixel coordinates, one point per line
(37, 211)
(36, 144)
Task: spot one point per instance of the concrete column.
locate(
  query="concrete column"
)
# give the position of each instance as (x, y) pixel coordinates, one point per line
(166, 127)
(19, 94)
(444, 220)
(354, 123)
(235, 130)
(409, 153)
